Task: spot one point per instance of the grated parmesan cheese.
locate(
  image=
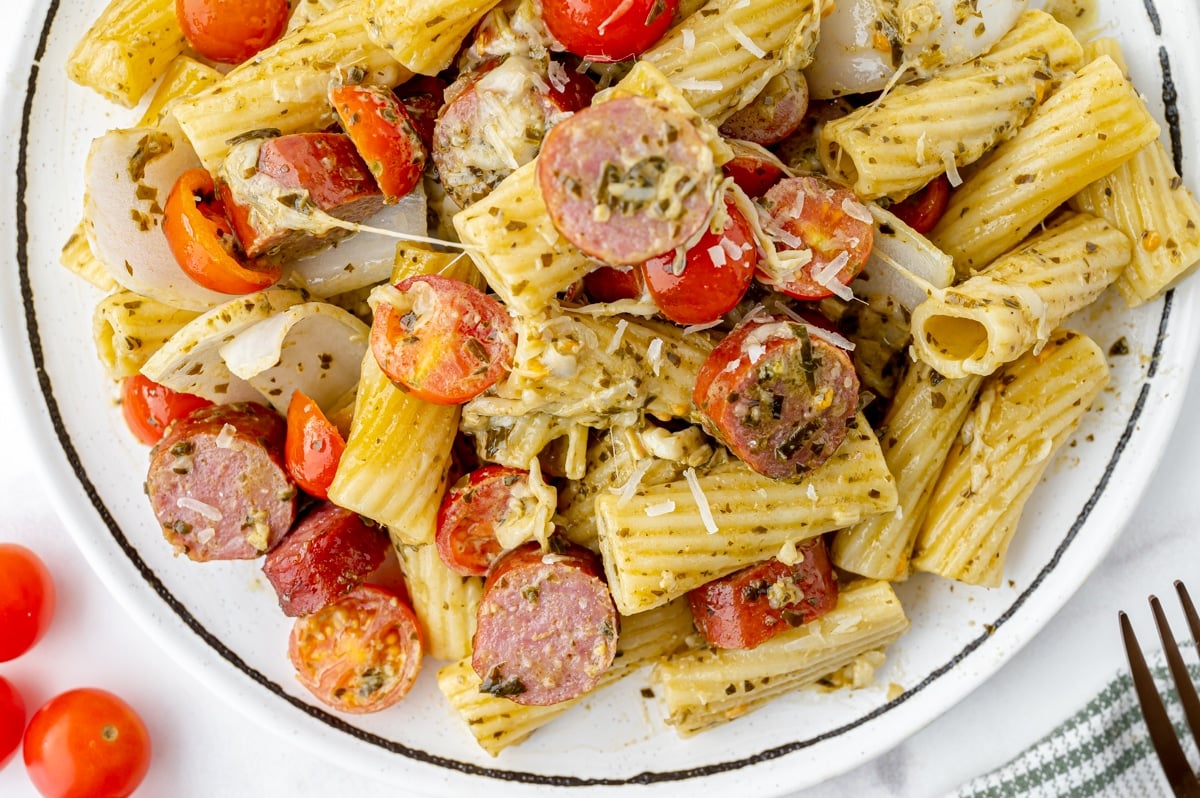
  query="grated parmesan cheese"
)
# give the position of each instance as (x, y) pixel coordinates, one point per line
(857, 211)
(812, 491)
(654, 355)
(662, 508)
(716, 254)
(826, 276)
(706, 516)
(741, 38)
(622, 325)
(635, 479)
(951, 169)
(558, 75)
(224, 438)
(195, 505)
(689, 39)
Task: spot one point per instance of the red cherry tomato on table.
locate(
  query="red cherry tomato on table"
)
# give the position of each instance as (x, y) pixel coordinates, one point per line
(12, 720)
(149, 408)
(608, 30)
(716, 273)
(27, 599)
(828, 220)
(313, 447)
(384, 135)
(922, 210)
(442, 340)
(469, 514)
(203, 242)
(230, 31)
(360, 654)
(86, 743)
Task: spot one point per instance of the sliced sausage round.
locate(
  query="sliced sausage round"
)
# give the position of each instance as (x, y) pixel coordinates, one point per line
(774, 114)
(218, 485)
(750, 606)
(779, 396)
(329, 553)
(546, 626)
(627, 179)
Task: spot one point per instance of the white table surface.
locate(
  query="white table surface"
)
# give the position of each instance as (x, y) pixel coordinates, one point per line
(204, 747)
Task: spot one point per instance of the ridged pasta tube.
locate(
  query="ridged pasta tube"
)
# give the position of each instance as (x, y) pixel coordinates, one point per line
(128, 47)
(1023, 415)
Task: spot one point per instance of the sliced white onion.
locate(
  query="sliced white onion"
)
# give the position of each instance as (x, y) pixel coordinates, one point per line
(903, 264)
(313, 347)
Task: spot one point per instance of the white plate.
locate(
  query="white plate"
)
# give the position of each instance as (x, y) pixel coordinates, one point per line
(221, 619)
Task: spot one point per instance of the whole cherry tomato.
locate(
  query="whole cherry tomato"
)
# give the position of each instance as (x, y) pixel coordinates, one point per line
(12, 720)
(608, 30)
(27, 600)
(149, 408)
(230, 31)
(86, 743)
(313, 447)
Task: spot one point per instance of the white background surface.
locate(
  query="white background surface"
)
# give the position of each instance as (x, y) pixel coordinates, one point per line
(204, 747)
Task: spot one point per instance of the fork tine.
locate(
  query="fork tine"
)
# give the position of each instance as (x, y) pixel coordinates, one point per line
(1179, 671)
(1189, 611)
(1162, 734)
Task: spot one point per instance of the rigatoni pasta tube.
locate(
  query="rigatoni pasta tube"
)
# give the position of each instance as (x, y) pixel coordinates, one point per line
(445, 602)
(424, 35)
(666, 539)
(1094, 122)
(129, 328)
(925, 415)
(285, 86)
(722, 55)
(497, 723)
(1023, 415)
(702, 688)
(990, 319)
(128, 47)
(394, 467)
(1146, 199)
(895, 146)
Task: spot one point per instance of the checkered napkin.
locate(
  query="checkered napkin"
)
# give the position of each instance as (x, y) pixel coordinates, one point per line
(1101, 750)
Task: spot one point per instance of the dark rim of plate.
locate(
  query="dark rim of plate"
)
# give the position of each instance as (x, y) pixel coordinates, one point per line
(1169, 98)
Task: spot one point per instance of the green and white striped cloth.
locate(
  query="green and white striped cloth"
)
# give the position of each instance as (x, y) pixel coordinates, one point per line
(1102, 750)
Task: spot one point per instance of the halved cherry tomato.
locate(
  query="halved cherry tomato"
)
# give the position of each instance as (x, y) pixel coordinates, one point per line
(230, 31)
(716, 273)
(828, 220)
(384, 135)
(441, 339)
(469, 514)
(313, 447)
(12, 720)
(86, 743)
(922, 210)
(750, 606)
(612, 283)
(149, 408)
(27, 600)
(608, 30)
(202, 240)
(360, 654)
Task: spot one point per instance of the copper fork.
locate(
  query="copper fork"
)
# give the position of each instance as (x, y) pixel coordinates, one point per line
(1162, 734)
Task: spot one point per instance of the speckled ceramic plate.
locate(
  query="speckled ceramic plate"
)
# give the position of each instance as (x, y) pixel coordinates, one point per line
(221, 620)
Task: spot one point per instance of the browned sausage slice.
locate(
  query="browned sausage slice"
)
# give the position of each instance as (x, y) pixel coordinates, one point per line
(270, 187)
(547, 626)
(217, 482)
(627, 179)
(779, 396)
(329, 553)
